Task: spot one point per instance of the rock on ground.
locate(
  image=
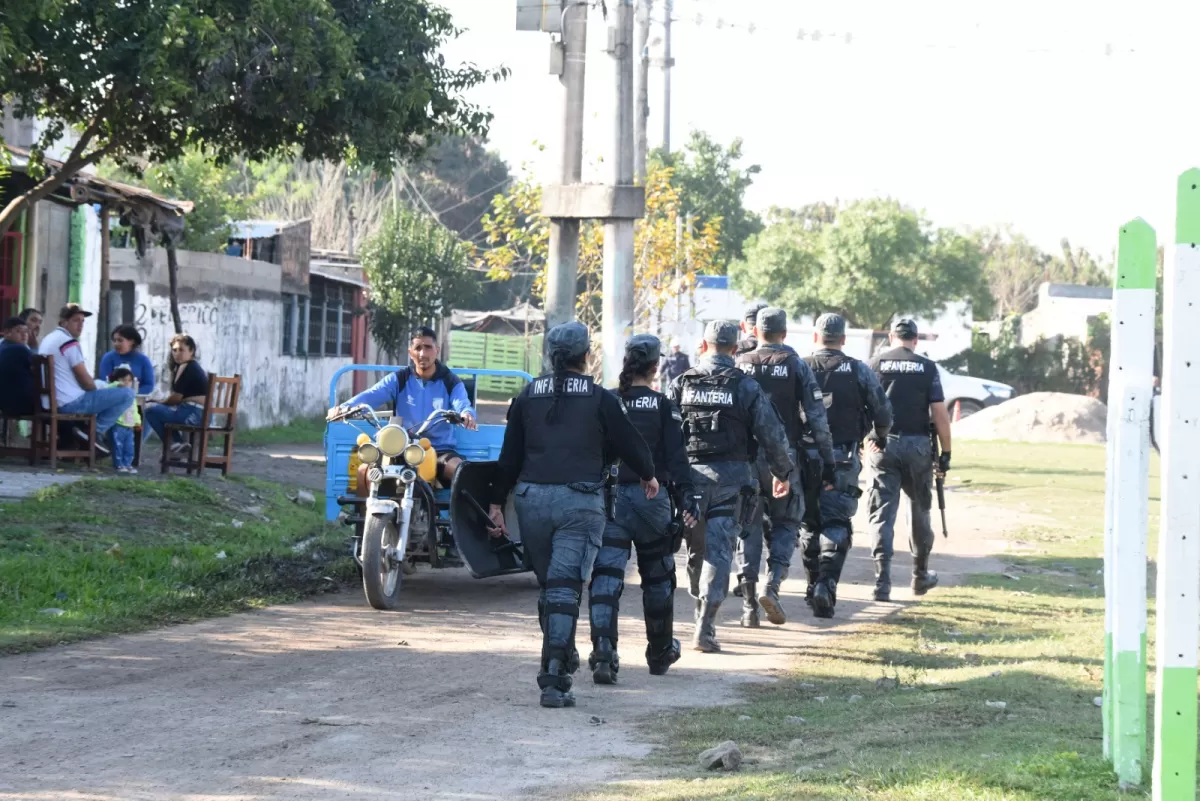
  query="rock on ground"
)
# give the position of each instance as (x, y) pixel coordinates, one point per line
(727, 756)
(1039, 417)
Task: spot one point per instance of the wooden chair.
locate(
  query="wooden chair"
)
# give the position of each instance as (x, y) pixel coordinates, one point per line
(47, 421)
(221, 401)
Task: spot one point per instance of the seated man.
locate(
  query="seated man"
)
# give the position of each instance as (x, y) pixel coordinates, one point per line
(17, 392)
(76, 392)
(416, 391)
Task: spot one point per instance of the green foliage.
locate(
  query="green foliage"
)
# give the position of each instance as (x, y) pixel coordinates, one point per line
(337, 79)
(1014, 268)
(712, 188)
(418, 270)
(1048, 365)
(869, 260)
(458, 178)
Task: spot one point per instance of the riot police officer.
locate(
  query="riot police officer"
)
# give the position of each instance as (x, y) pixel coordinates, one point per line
(563, 432)
(749, 340)
(790, 385)
(644, 522)
(905, 460)
(855, 406)
(724, 413)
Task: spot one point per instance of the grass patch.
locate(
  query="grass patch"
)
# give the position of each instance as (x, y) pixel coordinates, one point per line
(910, 709)
(125, 554)
(301, 431)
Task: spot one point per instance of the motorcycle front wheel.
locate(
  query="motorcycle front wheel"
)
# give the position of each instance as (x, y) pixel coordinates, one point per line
(381, 577)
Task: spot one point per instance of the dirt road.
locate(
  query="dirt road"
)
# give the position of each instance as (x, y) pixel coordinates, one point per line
(331, 700)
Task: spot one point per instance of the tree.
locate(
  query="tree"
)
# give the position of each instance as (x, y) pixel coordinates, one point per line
(1014, 268)
(458, 178)
(518, 240)
(337, 79)
(712, 187)
(874, 260)
(418, 270)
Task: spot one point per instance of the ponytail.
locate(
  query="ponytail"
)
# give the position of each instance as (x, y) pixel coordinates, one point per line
(637, 364)
(560, 365)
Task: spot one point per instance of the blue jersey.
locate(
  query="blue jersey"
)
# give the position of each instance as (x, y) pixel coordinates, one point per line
(413, 399)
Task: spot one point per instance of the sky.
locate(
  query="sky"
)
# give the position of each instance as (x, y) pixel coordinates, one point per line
(1062, 118)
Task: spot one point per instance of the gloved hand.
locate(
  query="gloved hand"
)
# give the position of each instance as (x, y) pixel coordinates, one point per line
(944, 462)
(828, 476)
(691, 510)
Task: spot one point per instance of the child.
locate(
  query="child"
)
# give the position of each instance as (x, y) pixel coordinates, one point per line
(122, 432)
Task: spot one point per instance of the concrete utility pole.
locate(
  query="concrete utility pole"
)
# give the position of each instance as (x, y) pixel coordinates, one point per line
(641, 88)
(564, 231)
(667, 63)
(617, 281)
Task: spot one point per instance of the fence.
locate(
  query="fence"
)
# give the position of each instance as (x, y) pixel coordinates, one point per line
(1126, 527)
(496, 352)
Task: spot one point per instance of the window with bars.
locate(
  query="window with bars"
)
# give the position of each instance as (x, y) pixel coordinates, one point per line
(316, 317)
(348, 297)
(330, 318)
(288, 346)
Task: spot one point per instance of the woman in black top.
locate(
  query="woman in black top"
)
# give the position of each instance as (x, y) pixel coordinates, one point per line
(189, 389)
(643, 522)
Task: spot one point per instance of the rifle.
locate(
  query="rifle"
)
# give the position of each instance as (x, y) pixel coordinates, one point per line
(939, 480)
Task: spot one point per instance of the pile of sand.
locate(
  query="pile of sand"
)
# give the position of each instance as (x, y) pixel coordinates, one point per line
(1039, 417)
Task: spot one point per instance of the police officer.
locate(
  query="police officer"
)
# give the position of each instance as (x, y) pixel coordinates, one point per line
(749, 340)
(724, 413)
(644, 522)
(563, 431)
(905, 460)
(790, 385)
(855, 405)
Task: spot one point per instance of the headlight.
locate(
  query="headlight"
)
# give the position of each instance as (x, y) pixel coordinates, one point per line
(368, 453)
(414, 455)
(392, 440)
(999, 390)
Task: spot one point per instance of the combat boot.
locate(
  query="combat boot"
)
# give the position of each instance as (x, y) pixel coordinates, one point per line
(883, 579)
(705, 638)
(923, 579)
(555, 682)
(603, 662)
(770, 597)
(749, 606)
(660, 661)
(663, 649)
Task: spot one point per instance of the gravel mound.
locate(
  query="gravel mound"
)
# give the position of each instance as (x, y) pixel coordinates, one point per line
(1039, 417)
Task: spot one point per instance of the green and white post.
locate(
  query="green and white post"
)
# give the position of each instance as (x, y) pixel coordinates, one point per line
(1130, 393)
(1178, 591)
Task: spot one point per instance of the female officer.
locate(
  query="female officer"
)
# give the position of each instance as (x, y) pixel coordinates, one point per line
(563, 431)
(642, 521)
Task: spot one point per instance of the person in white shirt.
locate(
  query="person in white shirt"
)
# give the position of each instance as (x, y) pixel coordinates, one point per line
(75, 390)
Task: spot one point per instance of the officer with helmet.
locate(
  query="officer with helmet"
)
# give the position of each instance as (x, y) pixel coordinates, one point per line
(855, 406)
(563, 433)
(904, 462)
(724, 413)
(790, 385)
(642, 522)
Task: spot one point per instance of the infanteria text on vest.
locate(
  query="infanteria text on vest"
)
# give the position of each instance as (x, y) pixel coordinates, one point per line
(845, 406)
(775, 372)
(715, 427)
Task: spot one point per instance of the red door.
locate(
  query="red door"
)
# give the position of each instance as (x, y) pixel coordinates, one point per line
(10, 275)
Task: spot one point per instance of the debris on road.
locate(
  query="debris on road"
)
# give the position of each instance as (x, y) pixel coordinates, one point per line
(996, 704)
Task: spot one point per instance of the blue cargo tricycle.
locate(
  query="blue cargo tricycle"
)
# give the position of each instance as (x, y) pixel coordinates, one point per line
(386, 477)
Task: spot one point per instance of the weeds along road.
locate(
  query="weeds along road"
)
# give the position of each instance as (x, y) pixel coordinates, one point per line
(330, 699)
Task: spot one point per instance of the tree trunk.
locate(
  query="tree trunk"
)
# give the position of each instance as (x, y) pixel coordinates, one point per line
(173, 278)
(45, 187)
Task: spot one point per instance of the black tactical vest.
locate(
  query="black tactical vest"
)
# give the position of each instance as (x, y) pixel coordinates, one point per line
(715, 426)
(775, 372)
(564, 441)
(844, 403)
(907, 379)
(645, 409)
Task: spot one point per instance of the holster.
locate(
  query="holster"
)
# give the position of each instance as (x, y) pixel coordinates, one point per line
(748, 497)
(610, 492)
(675, 529)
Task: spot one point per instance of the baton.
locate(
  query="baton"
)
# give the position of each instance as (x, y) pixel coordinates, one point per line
(940, 481)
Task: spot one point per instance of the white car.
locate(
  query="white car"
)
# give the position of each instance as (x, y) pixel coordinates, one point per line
(970, 393)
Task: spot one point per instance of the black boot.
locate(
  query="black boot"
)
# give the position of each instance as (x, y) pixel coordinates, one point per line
(923, 579)
(749, 606)
(556, 682)
(883, 579)
(770, 597)
(832, 558)
(603, 662)
(705, 638)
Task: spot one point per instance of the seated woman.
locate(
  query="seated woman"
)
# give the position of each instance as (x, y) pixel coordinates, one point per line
(185, 404)
(127, 352)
